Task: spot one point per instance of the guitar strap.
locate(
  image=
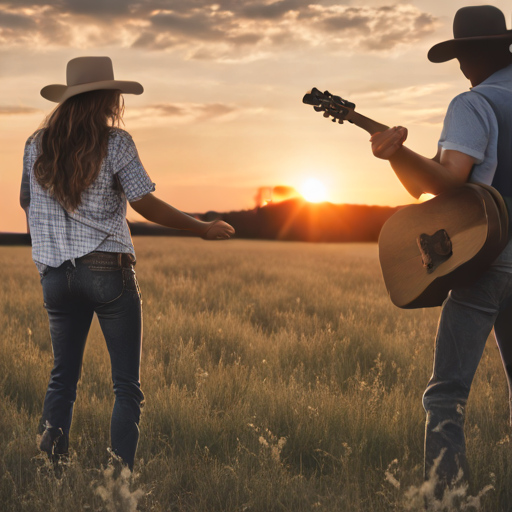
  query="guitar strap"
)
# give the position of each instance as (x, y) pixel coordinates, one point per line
(502, 180)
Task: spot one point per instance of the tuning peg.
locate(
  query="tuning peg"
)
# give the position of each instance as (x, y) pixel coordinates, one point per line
(326, 114)
(310, 99)
(340, 121)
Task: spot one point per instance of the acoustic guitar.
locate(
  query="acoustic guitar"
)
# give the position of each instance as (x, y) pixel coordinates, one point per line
(427, 249)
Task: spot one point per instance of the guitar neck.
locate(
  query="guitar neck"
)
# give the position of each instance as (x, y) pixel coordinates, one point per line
(366, 123)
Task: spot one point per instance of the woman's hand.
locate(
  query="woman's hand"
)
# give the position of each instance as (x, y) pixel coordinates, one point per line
(385, 144)
(218, 230)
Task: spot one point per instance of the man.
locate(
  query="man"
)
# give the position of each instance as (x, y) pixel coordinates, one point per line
(475, 146)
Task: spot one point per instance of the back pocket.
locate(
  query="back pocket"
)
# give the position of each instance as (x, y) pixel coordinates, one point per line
(104, 286)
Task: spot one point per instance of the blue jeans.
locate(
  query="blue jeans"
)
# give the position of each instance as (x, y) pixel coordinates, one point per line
(105, 284)
(468, 315)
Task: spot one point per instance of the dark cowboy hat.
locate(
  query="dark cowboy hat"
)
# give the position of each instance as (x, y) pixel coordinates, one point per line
(482, 23)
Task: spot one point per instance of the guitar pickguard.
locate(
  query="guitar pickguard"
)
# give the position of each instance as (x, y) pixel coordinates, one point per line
(435, 249)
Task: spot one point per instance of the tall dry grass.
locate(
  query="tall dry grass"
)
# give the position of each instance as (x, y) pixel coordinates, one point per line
(278, 376)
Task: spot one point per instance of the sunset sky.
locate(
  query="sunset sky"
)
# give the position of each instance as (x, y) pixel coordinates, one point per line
(221, 114)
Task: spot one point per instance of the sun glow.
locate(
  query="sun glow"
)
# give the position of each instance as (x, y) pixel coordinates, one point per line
(313, 191)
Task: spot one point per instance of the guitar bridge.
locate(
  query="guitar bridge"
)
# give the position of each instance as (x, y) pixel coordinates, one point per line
(435, 249)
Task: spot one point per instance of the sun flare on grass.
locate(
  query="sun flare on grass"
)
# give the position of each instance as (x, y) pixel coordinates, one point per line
(313, 191)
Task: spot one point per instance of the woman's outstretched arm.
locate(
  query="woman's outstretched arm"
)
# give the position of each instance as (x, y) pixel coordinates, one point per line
(158, 211)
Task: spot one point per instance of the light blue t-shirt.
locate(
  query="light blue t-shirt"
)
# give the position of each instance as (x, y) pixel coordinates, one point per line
(471, 127)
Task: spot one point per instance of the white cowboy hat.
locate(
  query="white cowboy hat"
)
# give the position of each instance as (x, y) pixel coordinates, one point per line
(85, 74)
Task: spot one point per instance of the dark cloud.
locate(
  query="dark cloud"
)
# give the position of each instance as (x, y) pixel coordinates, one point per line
(16, 21)
(114, 8)
(196, 26)
(424, 20)
(342, 22)
(246, 39)
(377, 29)
(211, 29)
(271, 11)
(154, 41)
(94, 8)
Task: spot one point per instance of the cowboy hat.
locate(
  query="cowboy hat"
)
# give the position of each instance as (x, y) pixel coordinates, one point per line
(481, 23)
(85, 74)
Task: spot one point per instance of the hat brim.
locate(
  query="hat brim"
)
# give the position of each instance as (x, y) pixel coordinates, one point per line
(447, 50)
(60, 93)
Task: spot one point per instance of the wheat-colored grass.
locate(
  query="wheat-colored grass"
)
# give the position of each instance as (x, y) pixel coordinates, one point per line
(278, 377)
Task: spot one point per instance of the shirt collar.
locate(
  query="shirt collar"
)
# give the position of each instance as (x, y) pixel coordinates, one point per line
(502, 75)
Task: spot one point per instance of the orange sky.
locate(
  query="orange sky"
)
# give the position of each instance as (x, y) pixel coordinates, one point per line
(221, 114)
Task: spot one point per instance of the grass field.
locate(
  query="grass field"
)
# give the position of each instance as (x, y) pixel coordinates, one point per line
(278, 377)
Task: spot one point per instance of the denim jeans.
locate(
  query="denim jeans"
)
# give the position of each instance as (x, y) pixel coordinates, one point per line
(104, 284)
(469, 313)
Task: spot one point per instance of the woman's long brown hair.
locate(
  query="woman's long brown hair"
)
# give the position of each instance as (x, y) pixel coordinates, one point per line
(74, 142)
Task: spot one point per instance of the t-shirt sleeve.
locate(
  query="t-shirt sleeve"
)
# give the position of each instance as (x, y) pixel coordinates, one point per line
(133, 177)
(467, 126)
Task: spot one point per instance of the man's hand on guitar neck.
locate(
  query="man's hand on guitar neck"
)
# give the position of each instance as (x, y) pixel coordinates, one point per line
(385, 144)
(418, 174)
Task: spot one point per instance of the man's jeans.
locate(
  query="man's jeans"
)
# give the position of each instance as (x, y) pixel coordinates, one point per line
(104, 284)
(467, 318)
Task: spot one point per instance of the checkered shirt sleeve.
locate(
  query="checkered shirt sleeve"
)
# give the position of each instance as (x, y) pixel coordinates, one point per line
(25, 178)
(131, 173)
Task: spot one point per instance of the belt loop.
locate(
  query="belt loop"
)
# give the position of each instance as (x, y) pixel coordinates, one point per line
(119, 259)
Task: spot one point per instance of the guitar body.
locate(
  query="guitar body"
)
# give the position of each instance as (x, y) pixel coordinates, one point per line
(474, 220)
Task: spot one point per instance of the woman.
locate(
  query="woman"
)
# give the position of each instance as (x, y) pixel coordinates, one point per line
(79, 170)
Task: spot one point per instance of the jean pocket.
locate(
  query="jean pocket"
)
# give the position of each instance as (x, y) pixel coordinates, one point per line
(105, 286)
(130, 280)
(43, 274)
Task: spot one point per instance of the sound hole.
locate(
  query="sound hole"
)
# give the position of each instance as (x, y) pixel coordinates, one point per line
(435, 249)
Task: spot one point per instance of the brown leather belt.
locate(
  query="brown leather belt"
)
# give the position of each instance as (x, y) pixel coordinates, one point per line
(120, 259)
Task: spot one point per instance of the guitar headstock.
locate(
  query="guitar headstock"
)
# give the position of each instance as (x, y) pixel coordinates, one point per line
(331, 105)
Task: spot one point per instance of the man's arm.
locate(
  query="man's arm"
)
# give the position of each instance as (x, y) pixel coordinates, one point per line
(448, 169)
(158, 211)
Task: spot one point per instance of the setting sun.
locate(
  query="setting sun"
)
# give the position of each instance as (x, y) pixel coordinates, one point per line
(313, 191)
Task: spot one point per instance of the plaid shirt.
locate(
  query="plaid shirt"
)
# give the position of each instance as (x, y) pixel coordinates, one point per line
(99, 223)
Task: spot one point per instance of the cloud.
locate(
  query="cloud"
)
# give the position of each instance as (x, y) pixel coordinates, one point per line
(16, 21)
(214, 110)
(374, 28)
(168, 109)
(8, 110)
(179, 113)
(271, 11)
(418, 104)
(404, 95)
(227, 29)
(193, 26)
